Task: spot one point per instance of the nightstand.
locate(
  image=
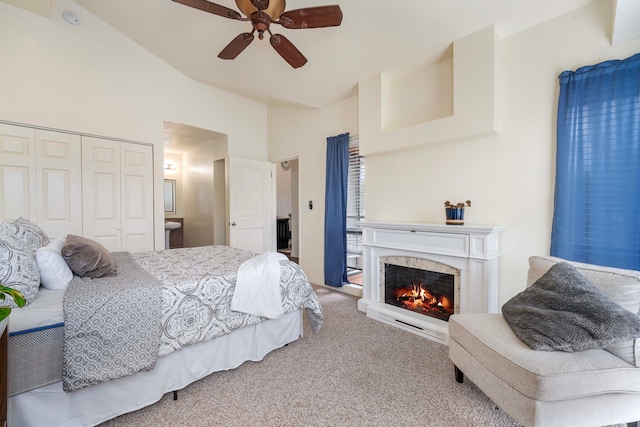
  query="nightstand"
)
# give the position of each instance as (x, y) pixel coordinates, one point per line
(4, 340)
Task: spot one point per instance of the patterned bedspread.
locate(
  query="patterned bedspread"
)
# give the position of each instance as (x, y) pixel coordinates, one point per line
(198, 284)
(111, 325)
(158, 303)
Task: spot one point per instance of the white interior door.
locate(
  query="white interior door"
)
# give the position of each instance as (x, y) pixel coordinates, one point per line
(59, 178)
(251, 209)
(101, 191)
(17, 173)
(137, 197)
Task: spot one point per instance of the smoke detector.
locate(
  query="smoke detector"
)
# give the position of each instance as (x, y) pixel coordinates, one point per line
(71, 17)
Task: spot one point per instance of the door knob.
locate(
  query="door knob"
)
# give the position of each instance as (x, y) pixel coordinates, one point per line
(233, 224)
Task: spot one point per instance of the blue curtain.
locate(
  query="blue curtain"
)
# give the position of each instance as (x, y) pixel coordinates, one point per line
(335, 211)
(597, 197)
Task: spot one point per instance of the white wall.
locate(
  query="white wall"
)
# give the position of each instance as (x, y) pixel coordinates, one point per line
(509, 176)
(199, 199)
(175, 174)
(283, 192)
(302, 133)
(90, 78)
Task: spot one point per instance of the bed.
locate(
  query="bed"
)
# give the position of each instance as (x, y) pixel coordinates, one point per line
(198, 334)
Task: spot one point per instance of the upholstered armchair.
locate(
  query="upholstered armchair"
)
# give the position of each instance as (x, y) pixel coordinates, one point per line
(593, 387)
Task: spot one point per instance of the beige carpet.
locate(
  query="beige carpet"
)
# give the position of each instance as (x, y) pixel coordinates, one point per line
(354, 372)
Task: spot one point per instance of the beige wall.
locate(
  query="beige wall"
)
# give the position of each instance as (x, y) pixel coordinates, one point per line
(508, 176)
(90, 78)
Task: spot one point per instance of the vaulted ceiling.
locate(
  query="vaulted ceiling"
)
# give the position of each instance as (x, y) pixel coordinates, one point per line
(394, 37)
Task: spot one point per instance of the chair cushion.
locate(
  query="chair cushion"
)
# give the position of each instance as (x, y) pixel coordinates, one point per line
(563, 311)
(620, 285)
(540, 375)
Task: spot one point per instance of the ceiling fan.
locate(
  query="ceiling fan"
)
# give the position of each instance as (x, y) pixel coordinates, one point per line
(263, 13)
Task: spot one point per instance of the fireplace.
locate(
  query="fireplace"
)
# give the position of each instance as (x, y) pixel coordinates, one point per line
(417, 275)
(421, 286)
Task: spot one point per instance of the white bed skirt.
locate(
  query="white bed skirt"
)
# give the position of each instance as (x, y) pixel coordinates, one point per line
(51, 406)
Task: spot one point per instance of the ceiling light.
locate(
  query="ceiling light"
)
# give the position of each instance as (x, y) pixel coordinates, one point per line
(71, 17)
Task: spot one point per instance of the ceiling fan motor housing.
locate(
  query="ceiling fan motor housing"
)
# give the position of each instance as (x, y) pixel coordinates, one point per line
(260, 22)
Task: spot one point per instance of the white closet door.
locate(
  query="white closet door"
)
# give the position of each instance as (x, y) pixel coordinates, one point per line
(137, 197)
(101, 192)
(59, 183)
(17, 173)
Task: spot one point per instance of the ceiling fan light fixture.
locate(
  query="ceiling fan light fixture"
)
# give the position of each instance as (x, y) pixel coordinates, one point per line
(275, 9)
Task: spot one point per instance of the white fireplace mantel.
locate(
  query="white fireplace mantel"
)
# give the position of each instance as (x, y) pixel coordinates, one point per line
(471, 249)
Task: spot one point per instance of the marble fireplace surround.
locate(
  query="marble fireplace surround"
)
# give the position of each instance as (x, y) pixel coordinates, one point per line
(471, 250)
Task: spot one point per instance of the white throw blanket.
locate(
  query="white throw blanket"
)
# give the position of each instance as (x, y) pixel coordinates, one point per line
(258, 286)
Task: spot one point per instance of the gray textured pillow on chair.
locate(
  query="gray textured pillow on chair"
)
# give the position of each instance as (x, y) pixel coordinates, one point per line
(563, 311)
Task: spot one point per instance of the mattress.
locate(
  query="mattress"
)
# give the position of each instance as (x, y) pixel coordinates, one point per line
(36, 334)
(51, 406)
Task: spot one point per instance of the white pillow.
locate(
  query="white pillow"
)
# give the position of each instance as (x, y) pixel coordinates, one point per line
(54, 271)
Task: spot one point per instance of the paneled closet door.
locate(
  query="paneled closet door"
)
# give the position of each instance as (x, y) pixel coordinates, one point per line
(136, 162)
(101, 192)
(59, 183)
(17, 173)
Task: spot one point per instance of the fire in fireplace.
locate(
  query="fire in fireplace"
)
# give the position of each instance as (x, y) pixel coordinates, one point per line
(423, 291)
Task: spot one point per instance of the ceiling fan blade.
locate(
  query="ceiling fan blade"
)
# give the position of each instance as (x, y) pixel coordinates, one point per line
(236, 46)
(287, 50)
(312, 17)
(216, 9)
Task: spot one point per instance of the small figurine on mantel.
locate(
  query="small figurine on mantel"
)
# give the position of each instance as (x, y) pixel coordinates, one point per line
(455, 213)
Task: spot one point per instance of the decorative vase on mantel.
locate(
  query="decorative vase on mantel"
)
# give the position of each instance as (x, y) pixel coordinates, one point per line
(455, 213)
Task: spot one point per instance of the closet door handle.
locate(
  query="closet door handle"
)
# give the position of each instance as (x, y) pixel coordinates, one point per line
(233, 224)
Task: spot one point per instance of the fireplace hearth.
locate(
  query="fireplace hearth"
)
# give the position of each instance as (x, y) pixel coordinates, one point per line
(417, 275)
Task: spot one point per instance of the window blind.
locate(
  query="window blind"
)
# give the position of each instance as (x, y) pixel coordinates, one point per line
(355, 197)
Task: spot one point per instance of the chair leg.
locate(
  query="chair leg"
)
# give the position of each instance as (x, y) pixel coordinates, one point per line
(460, 376)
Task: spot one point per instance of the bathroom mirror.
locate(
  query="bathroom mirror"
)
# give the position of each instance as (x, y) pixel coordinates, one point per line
(170, 196)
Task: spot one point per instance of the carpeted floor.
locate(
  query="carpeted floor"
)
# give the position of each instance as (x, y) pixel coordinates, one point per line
(354, 372)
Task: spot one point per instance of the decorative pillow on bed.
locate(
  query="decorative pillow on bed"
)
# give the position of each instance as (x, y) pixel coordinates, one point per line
(563, 311)
(24, 235)
(54, 271)
(87, 258)
(18, 270)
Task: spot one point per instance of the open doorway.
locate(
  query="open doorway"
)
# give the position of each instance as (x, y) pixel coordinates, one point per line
(192, 163)
(287, 209)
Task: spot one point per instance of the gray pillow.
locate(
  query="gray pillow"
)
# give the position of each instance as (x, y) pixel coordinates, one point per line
(19, 271)
(563, 311)
(87, 258)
